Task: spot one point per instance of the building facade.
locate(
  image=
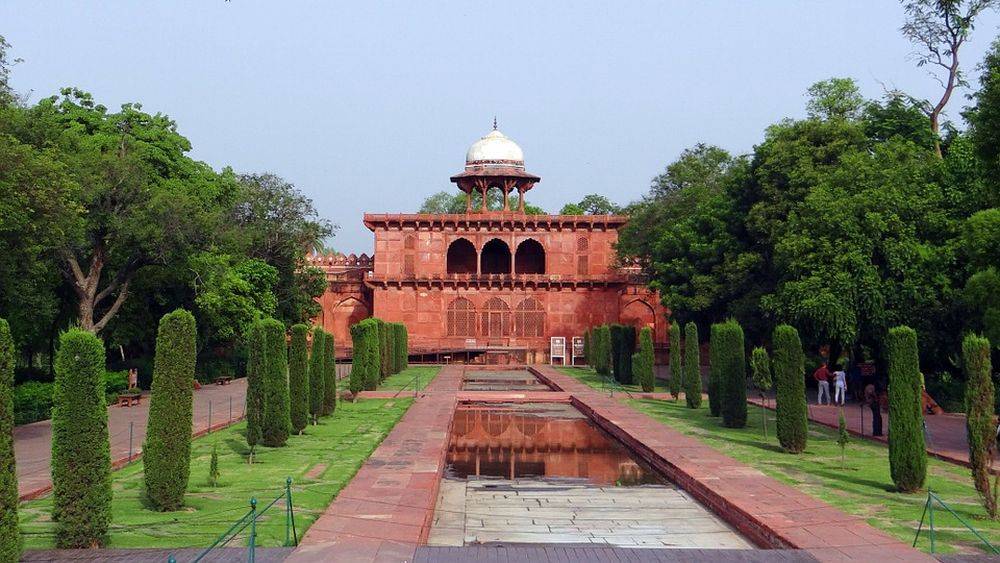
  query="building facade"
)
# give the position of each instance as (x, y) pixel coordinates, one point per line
(489, 285)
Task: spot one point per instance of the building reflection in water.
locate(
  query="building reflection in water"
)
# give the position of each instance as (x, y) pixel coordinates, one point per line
(520, 441)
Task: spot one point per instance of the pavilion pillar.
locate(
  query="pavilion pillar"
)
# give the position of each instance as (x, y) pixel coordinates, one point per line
(468, 201)
(484, 187)
(520, 199)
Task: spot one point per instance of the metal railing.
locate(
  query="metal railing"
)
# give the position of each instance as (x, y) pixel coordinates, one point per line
(249, 520)
(608, 383)
(928, 514)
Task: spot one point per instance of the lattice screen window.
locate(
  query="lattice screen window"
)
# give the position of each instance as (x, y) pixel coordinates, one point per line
(529, 318)
(582, 265)
(461, 318)
(582, 244)
(495, 318)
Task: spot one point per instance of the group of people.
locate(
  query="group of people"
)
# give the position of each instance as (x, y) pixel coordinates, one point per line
(861, 379)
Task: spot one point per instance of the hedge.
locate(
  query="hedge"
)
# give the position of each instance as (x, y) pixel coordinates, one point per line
(586, 347)
(383, 350)
(81, 453)
(732, 384)
(298, 378)
(979, 407)
(692, 367)
(277, 423)
(714, 371)
(330, 372)
(402, 347)
(10, 533)
(643, 361)
(907, 452)
(791, 415)
(256, 370)
(365, 361)
(317, 374)
(676, 369)
(166, 454)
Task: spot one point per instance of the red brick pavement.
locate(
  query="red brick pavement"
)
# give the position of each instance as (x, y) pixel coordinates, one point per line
(770, 513)
(386, 511)
(33, 442)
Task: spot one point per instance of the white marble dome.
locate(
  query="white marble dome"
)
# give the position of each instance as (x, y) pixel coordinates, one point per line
(495, 149)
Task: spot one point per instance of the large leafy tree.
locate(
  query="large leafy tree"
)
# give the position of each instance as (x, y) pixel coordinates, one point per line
(455, 202)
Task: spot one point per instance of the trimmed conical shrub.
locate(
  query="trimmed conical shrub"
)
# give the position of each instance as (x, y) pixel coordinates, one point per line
(330, 370)
(81, 454)
(676, 371)
(714, 371)
(907, 452)
(256, 370)
(617, 350)
(692, 367)
(586, 347)
(791, 415)
(374, 352)
(603, 350)
(298, 377)
(317, 373)
(404, 346)
(383, 349)
(733, 375)
(643, 361)
(364, 363)
(166, 455)
(10, 533)
(979, 417)
(760, 374)
(277, 422)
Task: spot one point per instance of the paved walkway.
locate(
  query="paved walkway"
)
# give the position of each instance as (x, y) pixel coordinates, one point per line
(33, 442)
(576, 554)
(946, 434)
(768, 512)
(386, 510)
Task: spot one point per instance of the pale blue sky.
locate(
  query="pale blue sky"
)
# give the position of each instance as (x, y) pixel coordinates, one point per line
(370, 106)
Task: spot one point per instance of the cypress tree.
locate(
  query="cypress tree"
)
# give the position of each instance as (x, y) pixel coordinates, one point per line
(791, 415)
(907, 453)
(676, 371)
(404, 347)
(81, 453)
(643, 361)
(10, 533)
(714, 371)
(317, 374)
(374, 352)
(760, 374)
(256, 369)
(692, 367)
(733, 372)
(166, 455)
(277, 422)
(383, 350)
(330, 371)
(359, 375)
(586, 347)
(979, 417)
(628, 343)
(603, 350)
(298, 378)
(390, 347)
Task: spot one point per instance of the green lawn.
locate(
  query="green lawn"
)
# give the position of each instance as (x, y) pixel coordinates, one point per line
(862, 487)
(331, 452)
(405, 378)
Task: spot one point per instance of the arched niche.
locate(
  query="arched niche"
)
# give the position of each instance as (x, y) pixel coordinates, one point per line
(529, 258)
(461, 257)
(495, 258)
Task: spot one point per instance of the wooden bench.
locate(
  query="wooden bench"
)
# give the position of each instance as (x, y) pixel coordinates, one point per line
(223, 380)
(128, 400)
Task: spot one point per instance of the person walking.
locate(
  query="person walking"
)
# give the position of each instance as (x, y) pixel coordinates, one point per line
(872, 400)
(822, 377)
(839, 386)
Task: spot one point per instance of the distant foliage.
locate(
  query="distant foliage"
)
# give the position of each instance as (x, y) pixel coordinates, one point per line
(692, 367)
(10, 533)
(714, 371)
(676, 371)
(330, 369)
(277, 422)
(979, 405)
(81, 453)
(317, 373)
(791, 414)
(298, 377)
(643, 361)
(907, 452)
(733, 375)
(256, 370)
(166, 455)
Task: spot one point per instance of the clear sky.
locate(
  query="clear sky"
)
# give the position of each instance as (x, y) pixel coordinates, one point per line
(370, 106)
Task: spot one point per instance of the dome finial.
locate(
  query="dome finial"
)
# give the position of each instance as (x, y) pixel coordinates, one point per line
(494, 122)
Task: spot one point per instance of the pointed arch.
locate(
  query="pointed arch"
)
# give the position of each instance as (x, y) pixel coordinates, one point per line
(495, 258)
(529, 258)
(461, 317)
(529, 318)
(461, 257)
(495, 318)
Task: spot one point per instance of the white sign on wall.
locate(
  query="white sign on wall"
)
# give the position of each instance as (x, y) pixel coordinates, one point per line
(557, 349)
(577, 349)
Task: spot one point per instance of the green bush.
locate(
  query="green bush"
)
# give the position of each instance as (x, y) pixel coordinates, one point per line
(317, 373)
(298, 378)
(213, 466)
(166, 455)
(676, 369)
(979, 417)
(10, 534)
(629, 341)
(383, 350)
(760, 374)
(81, 453)
(365, 361)
(256, 370)
(907, 452)
(714, 371)
(330, 370)
(115, 383)
(791, 414)
(622, 348)
(374, 352)
(402, 347)
(32, 402)
(277, 422)
(643, 361)
(586, 347)
(733, 375)
(604, 364)
(692, 367)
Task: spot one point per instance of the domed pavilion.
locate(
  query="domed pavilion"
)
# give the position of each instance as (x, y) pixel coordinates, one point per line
(490, 286)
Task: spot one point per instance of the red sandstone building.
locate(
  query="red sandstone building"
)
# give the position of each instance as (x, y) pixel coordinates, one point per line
(488, 284)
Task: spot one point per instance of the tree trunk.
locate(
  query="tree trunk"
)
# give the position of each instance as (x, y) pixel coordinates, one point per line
(85, 285)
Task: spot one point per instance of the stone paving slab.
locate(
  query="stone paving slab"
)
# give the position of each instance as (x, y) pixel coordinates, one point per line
(770, 513)
(578, 554)
(513, 396)
(387, 509)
